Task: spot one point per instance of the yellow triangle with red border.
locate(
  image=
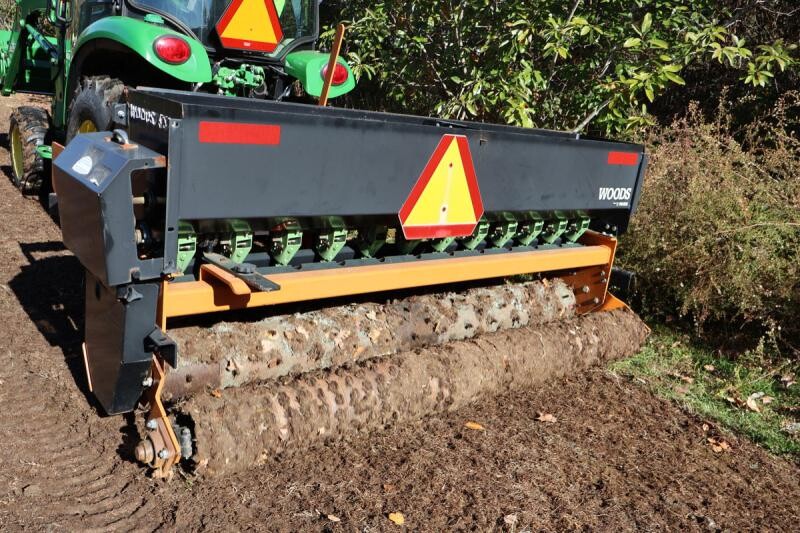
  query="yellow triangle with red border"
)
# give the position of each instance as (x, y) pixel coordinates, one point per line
(250, 25)
(446, 201)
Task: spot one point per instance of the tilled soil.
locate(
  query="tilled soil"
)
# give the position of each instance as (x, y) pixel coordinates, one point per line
(616, 458)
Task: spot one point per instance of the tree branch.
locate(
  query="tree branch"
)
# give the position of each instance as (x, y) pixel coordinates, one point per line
(591, 116)
(569, 19)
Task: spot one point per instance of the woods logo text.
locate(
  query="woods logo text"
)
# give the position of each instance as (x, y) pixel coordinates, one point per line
(618, 193)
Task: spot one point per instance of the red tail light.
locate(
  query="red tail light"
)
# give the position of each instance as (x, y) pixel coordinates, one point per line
(172, 50)
(340, 73)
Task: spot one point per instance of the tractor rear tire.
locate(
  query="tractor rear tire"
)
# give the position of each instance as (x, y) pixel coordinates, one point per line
(28, 129)
(92, 108)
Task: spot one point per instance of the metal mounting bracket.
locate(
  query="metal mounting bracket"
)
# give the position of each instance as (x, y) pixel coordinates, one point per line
(160, 449)
(243, 271)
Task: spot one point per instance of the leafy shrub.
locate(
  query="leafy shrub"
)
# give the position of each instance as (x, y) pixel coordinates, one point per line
(546, 63)
(717, 234)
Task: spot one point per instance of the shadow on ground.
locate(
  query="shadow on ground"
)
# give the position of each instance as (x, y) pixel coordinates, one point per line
(50, 290)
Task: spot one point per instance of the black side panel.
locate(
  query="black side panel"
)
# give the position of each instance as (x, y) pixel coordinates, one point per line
(326, 161)
(116, 332)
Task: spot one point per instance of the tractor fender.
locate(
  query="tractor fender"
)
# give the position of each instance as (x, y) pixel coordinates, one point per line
(139, 36)
(307, 66)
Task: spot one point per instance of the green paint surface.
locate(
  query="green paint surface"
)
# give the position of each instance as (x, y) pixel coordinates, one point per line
(139, 36)
(307, 65)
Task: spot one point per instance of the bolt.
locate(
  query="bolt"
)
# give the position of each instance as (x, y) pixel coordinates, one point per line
(144, 451)
(148, 382)
(163, 454)
(596, 300)
(151, 424)
(244, 268)
(585, 289)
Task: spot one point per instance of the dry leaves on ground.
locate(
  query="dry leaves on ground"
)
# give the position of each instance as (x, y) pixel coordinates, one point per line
(546, 417)
(734, 399)
(718, 444)
(685, 379)
(753, 401)
(397, 518)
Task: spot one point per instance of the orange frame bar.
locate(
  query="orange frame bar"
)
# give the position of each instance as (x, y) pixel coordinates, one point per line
(217, 290)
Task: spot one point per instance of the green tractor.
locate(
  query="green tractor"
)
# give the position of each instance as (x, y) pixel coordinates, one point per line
(84, 53)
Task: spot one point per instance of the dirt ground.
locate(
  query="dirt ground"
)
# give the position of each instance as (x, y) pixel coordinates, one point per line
(616, 458)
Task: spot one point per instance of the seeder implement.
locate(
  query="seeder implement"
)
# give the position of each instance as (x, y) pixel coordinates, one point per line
(208, 204)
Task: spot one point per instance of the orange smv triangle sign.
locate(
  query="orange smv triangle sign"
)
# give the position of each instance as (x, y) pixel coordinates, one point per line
(446, 200)
(250, 25)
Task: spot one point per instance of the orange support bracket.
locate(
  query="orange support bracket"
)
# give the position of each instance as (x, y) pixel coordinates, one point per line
(160, 448)
(234, 284)
(591, 284)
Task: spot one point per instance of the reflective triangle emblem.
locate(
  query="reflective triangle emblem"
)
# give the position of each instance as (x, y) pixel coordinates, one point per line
(250, 25)
(446, 200)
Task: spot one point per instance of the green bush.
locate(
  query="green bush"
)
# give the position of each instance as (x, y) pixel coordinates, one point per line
(717, 235)
(548, 63)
